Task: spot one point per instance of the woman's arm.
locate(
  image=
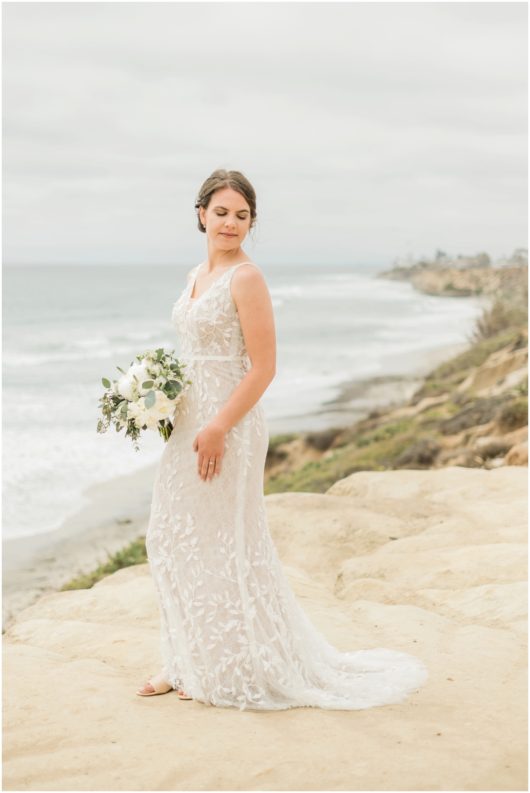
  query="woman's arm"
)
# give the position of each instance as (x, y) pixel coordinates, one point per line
(254, 306)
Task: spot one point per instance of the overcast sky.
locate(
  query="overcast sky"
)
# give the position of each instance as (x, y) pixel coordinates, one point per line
(369, 130)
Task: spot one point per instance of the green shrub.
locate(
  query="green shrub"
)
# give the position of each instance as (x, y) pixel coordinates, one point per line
(134, 553)
(514, 415)
(500, 316)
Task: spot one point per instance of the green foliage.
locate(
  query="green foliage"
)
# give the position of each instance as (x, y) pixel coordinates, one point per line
(451, 288)
(134, 553)
(475, 355)
(508, 310)
(378, 453)
(278, 440)
(385, 431)
(522, 388)
(514, 415)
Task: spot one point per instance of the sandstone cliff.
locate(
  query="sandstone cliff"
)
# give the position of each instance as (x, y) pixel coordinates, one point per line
(429, 562)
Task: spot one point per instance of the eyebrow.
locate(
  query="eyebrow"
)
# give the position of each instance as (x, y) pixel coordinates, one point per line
(239, 210)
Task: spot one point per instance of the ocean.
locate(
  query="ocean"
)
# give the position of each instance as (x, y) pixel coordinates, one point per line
(66, 327)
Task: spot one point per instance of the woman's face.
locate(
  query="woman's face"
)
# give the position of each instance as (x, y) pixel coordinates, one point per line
(227, 218)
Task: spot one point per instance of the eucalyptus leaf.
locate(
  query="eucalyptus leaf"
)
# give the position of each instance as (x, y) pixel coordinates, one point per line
(150, 399)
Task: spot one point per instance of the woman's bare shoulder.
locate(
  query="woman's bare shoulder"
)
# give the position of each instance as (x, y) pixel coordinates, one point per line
(249, 285)
(248, 270)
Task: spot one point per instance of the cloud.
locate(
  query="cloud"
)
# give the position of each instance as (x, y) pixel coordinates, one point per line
(369, 130)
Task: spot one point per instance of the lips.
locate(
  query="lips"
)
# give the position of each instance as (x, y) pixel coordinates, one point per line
(228, 235)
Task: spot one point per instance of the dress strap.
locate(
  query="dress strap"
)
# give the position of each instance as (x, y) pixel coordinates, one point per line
(195, 270)
(235, 266)
(232, 269)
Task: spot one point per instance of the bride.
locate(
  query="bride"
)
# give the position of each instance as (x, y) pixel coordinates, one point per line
(232, 633)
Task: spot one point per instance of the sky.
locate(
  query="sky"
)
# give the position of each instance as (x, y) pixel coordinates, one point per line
(370, 131)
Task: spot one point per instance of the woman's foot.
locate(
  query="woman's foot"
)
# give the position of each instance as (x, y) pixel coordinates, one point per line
(159, 685)
(155, 685)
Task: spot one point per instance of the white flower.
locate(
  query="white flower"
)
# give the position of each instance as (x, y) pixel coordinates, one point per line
(150, 417)
(151, 421)
(136, 411)
(140, 373)
(125, 387)
(163, 406)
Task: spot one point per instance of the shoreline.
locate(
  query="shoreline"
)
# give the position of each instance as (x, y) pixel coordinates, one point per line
(117, 515)
(394, 388)
(119, 508)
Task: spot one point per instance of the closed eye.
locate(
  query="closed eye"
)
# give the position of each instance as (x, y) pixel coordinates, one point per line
(221, 214)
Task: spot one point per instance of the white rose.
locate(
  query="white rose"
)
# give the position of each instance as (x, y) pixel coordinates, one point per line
(150, 417)
(125, 387)
(140, 373)
(151, 421)
(137, 412)
(163, 406)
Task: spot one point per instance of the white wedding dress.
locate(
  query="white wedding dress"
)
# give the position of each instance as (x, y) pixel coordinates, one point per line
(232, 632)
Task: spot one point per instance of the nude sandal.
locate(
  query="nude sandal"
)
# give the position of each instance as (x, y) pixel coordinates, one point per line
(158, 688)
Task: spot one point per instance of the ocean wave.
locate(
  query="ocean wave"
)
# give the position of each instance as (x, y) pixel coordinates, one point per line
(89, 349)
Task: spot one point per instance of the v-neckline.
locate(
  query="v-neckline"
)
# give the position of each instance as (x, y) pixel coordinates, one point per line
(193, 300)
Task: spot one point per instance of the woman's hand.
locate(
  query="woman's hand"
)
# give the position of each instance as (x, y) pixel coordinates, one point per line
(209, 443)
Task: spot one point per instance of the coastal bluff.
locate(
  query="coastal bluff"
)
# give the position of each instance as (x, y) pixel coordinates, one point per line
(430, 562)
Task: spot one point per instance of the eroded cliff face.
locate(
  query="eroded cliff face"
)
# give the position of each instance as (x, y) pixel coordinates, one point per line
(470, 411)
(452, 283)
(457, 282)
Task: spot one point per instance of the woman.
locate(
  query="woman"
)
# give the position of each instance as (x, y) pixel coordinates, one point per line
(232, 631)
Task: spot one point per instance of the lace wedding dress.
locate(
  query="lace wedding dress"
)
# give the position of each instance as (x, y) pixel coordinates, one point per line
(232, 633)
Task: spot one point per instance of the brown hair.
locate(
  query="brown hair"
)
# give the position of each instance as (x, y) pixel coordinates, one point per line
(220, 179)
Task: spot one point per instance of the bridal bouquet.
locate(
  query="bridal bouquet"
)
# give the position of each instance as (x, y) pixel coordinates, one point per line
(144, 396)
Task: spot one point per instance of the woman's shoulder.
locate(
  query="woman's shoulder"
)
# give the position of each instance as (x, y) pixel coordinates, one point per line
(248, 280)
(247, 272)
(191, 273)
(247, 267)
